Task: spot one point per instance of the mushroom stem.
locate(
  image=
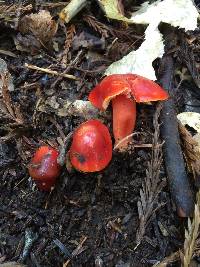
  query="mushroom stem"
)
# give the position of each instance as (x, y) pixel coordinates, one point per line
(124, 116)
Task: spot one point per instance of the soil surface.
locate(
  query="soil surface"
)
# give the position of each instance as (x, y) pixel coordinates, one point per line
(89, 219)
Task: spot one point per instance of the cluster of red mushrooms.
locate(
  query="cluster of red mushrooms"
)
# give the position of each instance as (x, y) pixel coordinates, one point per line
(91, 148)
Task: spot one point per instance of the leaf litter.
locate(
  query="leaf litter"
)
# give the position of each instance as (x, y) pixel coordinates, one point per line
(116, 217)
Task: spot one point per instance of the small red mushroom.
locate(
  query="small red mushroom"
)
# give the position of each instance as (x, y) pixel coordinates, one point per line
(125, 90)
(91, 148)
(44, 168)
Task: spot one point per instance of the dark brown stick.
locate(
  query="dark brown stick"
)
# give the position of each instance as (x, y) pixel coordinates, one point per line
(175, 166)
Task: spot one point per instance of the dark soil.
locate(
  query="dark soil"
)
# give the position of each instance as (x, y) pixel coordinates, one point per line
(96, 213)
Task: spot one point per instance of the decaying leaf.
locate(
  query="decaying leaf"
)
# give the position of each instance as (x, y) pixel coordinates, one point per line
(40, 25)
(80, 108)
(113, 9)
(191, 143)
(3, 71)
(6, 106)
(27, 43)
(88, 40)
(191, 149)
(184, 15)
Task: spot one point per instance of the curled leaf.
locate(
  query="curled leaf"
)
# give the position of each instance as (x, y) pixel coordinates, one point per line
(191, 119)
(113, 10)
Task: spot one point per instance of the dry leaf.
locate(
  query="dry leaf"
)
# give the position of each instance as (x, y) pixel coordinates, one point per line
(12, 111)
(27, 43)
(113, 9)
(191, 144)
(191, 149)
(196, 138)
(40, 25)
(4, 71)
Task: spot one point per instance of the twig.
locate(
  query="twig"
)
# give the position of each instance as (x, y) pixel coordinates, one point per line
(72, 9)
(124, 139)
(74, 62)
(76, 251)
(174, 162)
(132, 144)
(52, 72)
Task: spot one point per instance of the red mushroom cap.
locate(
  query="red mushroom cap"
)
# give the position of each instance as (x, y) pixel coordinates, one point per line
(107, 89)
(44, 168)
(141, 88)
(91, 148)
(145, 90)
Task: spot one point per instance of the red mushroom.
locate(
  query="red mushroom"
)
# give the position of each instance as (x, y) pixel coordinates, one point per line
(124, 90)
(91, 148)
(44, 168)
